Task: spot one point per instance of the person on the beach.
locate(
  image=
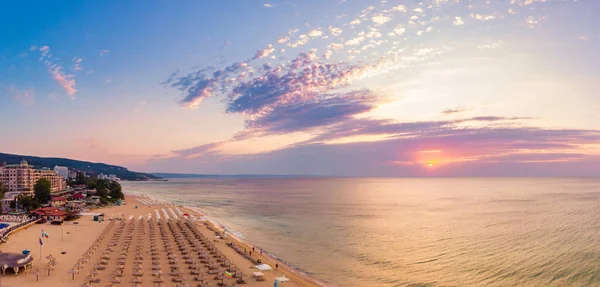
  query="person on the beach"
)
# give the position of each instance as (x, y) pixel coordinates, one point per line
(252, 248)
(276, 265)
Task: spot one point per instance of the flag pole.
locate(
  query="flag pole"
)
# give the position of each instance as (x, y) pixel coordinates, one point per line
(41, 249)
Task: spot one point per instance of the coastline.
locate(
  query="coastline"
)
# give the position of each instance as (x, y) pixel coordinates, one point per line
(70, 242)
(232, 236)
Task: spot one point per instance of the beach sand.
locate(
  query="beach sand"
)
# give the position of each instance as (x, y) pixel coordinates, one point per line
(77, 238)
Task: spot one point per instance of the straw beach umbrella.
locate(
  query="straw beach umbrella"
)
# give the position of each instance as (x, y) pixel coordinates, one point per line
(220, 277)
(158, 279)
(73, 272)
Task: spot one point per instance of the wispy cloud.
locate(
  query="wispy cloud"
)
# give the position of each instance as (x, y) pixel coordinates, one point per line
(453, 111)
(140, 107)
(315, 33)
(264, 52)
(103, 52)
(268, 5)
(509, 151)
(458, 21)
(65, 80)
(335, 31)
(380, 19)
(54, 98)
(482, 17)
(77, 64)
(25, 97)
(319, 92)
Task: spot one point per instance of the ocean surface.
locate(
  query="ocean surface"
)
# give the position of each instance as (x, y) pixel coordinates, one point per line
(411, 232)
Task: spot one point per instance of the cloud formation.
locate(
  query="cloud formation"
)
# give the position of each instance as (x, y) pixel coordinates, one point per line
(453, 111)
(25, 97)
(264, 52)
(314, 92)
(77, 64)
(516, 151)
(57, 71)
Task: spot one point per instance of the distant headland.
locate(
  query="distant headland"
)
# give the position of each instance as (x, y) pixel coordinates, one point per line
(89, 168)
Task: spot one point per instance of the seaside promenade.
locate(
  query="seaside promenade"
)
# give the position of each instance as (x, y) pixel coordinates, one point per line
(152, 244)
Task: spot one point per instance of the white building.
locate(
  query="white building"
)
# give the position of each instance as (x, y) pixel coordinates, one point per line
(63, 171)
(113, 177)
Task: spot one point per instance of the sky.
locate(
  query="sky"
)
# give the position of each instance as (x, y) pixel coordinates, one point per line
(335, 88)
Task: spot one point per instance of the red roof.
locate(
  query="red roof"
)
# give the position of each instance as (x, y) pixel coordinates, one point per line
(58, 198)
(58, 213)
(39, 212)
(46, 209)
(78, 196)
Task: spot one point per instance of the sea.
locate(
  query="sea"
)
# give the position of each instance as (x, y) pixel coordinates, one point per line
(410, 231)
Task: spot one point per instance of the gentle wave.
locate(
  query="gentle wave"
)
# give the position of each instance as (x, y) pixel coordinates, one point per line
(412, 232)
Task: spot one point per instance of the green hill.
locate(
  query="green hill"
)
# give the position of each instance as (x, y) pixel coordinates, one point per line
(89, 167)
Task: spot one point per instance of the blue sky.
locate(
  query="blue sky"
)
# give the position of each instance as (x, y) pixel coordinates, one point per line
(391, 88)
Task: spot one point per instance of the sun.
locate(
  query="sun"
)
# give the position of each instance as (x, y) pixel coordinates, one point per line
(430, 163)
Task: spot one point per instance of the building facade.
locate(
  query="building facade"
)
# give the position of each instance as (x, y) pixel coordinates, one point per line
(58, 201)
(20, 178)
(63, 171)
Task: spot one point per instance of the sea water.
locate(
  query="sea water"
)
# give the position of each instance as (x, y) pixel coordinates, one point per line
(411, 232)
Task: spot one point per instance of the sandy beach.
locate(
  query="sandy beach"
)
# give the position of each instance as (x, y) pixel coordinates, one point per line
(102, 245)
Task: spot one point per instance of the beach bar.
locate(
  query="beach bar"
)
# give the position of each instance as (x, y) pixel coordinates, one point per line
(15, 261)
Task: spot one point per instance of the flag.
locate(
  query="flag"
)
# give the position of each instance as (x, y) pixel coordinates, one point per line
(44, 234)
(41, 243)
(228, 274)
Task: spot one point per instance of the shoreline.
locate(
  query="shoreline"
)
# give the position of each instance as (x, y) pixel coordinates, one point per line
(237, 238)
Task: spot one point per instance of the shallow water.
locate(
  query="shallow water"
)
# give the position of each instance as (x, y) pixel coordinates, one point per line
(411, 232)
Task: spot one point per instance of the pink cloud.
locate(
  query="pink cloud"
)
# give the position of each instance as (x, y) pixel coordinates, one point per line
(66, 81)
(77, 64)
(264, 52)
(26, 97)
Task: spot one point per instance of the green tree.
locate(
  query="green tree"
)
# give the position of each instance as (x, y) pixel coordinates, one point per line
(42, 190)
(2, 191)
(27, 202)
(102, 187)
(81, 179)
(116, 191)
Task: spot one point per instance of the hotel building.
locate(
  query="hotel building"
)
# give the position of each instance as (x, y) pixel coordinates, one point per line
(20, 178)
(63, 171)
